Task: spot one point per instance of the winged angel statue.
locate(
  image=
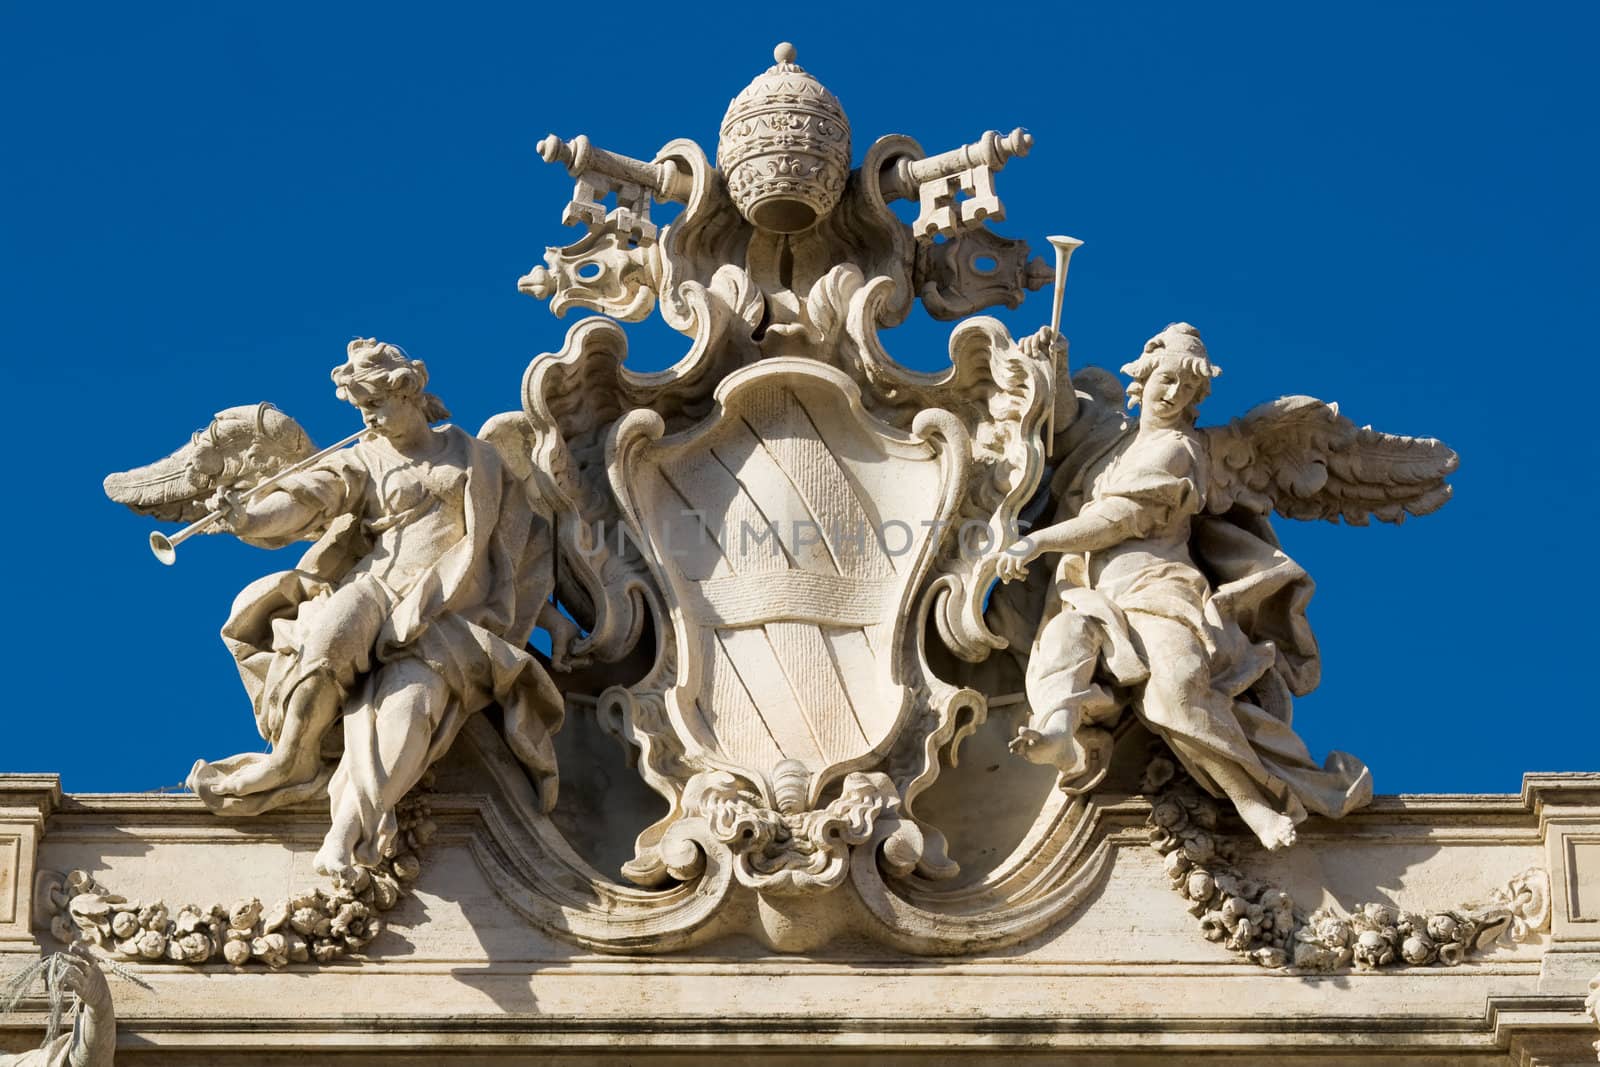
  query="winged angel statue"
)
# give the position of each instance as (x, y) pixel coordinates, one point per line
(1171, 594)
(431, 563)
(791, 630)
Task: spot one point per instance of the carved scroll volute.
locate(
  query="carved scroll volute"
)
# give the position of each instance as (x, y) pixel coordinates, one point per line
(976, 270)
(565, 395)
(598, 273)
(1008, 453)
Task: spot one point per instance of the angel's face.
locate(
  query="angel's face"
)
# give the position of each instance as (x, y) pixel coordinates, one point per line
(389, 414)
(1168, 392)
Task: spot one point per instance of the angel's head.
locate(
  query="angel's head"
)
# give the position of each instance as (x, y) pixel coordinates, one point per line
(388, 387)
(1171, 377)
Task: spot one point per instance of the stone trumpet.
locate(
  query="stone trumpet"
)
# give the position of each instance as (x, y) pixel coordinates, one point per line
(1064, 247)
(166, 548)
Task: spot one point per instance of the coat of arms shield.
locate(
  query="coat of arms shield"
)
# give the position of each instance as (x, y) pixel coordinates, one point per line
(791, 530)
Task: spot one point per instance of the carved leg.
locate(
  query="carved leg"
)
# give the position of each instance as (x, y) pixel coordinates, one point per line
(1199, 725)
(1063, 695)
(387, 740)
(297, 755)
(1274, 829)
(339, 632)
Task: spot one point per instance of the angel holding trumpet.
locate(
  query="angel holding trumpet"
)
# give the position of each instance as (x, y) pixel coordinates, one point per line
(432, 563)
(1170, 595)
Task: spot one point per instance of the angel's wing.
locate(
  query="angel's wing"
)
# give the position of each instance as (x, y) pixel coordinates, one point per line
(1299, 457)
(512, 436)
(557, 447)
(239, 448)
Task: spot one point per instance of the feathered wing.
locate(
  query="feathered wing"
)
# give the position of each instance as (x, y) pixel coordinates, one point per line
(512, 436)
(556, 447)
(1299, 457)
(238, 449)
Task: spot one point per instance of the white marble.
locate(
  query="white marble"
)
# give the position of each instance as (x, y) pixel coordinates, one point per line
(886, 711)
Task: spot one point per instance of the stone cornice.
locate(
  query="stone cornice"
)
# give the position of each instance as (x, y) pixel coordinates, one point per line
(29, 797)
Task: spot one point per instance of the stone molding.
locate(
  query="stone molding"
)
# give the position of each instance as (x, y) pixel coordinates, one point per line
(26, 802)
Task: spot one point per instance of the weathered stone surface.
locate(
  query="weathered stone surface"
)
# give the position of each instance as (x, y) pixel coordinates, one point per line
(943, 716)
(468, 965)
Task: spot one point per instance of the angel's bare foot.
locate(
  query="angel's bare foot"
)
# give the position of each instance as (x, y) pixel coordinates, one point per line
(336, 857)
(1284, 834)
(1276, 832)
(1052, 739)
(330, 863)
(226, 786)
(1272, 828)
(258, 777)
(1052, 746)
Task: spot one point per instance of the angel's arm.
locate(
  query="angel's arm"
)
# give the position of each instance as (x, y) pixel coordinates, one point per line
(298, 508)
(271, 516)
(1100, 525)
(1135, 504)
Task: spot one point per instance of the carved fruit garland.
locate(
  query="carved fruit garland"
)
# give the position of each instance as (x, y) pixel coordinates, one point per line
(1258, 920)
(320, 924)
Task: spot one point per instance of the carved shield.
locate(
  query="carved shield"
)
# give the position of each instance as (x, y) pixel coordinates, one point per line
(791, 532)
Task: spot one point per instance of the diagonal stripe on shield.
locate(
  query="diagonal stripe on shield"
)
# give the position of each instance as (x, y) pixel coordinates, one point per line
(790, 531)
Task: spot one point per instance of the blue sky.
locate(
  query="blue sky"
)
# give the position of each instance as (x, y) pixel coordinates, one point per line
(1388, 205)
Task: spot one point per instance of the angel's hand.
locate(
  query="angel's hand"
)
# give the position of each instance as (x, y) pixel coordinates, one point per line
(232, 505)
(1046, 344)
(564, 634)
(82, 976)
(1013, 562)
(1026, 738)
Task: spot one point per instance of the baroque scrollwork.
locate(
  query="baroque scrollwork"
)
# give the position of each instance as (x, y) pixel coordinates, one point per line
(975, 270)
(791, 577)
(793, 849)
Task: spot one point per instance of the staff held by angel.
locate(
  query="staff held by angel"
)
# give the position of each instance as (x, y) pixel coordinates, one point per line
(1170, 593)
(430, 566)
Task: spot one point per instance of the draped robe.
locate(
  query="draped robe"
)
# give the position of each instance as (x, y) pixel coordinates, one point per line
(1222, 577)
(467, 616)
